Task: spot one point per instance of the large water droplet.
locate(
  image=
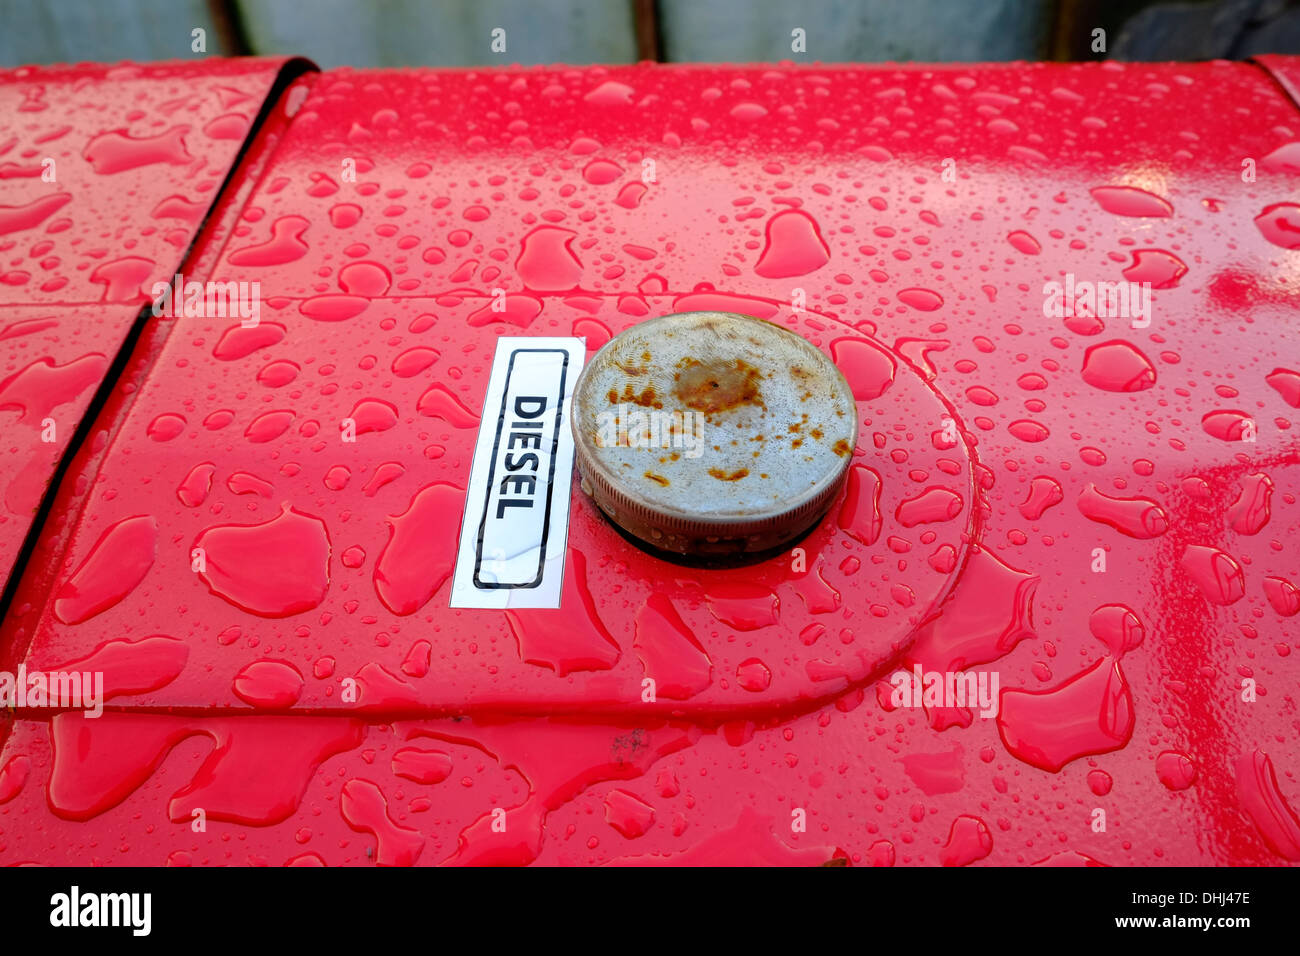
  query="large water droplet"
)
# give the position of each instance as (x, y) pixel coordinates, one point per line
(1217, 575)
(1091, 713)
(274, 569)
(868, 368)
(793, 246)
(116, 151)
(116, 564)
(1131, 201)
(1117, 366)
(669, 652)
(419, 555)
(1136, 517)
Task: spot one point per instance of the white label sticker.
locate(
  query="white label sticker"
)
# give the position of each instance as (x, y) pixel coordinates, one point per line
(516, 525)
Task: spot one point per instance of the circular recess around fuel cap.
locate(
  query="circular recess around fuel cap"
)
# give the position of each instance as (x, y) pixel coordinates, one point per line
(711, 433)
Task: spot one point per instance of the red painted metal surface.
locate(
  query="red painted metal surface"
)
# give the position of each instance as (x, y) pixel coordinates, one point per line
(1109, 531)
(106, 176)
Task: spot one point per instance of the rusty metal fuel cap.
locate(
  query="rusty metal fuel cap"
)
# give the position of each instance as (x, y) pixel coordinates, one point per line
(711, 433)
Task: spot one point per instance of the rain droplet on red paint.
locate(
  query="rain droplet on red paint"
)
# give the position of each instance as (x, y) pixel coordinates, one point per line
(1118, 366)
(1217, 575)
(1131, 201)
(793, 246)
(274, 569)
(868, 367)
(1280, 224)
(1136, 517)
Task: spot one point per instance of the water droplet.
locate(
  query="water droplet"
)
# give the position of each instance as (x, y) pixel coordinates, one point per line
(373, 415)
(1118, 627)
(122, 278)
(936, 773)
(411, 568)
(601, 172)
(669, 652)
(115, 566)
(345, 215)
(518, 310)
(39, 388)
(1099, 782)
(333, 308)
(1091, 713)
(268, 684)
(237, 341)
(1228, 424)
(193, 490)
(1117, 366)
(274, 569)
(1287, 384)
(439, 402)
(422, 766)
(385, 474)
(1175, 770)
(179, 207)
(1131, 201)
(278, 374)
(365, 810)
(1284, 159)
(1136, 517)
(1028, 431)
(255, 775)
(742, 605)
(13, 776)
(610, 93)
(547, 262)
(630, 195)
(983, 619)
(285, 245)
(1216, 574)
(571, 637)
(628, 814)
(17, 218)
(269, 426)
(969, 840)
(868, 368)
(1280, 224)
(793, 246)
(932, 505)
(860, 514)
(753, 675)
(1250, 512)
(923, 299)
(1160, 268)
(749, 111)
(414, 361)
(1260, 795)
(368, 279)
(133, 666)
(116, 151)
(1283, 596)
(1044, 493)
(166, 427)
(243, 483)
(1025, 243)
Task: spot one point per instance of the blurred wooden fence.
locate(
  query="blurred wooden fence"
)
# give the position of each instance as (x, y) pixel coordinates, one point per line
(388, 33)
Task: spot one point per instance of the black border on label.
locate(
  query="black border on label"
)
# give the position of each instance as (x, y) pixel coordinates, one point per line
(550, 478)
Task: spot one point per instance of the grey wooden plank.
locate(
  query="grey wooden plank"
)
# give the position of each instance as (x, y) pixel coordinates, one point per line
(742, 31)
(386, 33)
(105, 31)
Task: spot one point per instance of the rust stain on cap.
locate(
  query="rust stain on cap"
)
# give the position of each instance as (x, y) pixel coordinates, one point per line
(712, 433)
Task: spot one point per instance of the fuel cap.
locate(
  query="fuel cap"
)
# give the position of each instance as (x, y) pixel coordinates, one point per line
(712, 433)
